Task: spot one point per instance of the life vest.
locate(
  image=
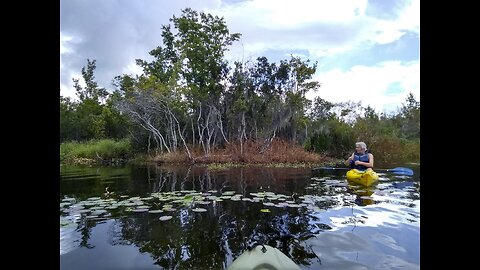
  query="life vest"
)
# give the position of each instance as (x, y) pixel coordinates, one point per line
(362, 158)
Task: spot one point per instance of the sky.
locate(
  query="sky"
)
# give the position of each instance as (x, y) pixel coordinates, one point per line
(366, 51)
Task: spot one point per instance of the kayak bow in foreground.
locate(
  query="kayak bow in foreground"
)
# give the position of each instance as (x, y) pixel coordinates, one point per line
(263, 257)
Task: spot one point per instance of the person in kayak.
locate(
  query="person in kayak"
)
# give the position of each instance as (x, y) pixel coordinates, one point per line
(361, 159)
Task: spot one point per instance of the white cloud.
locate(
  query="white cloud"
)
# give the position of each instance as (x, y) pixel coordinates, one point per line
(69, 90)
(132, 69)
(410, 17)
(321, 27)
(64, 40)
(281, 14)
(387, 31)
(370, 84)
(386, 36)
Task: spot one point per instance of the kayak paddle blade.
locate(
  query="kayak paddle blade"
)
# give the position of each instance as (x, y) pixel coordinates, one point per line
(402, 171)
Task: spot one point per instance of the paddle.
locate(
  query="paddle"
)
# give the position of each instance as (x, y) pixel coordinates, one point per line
(397, 170)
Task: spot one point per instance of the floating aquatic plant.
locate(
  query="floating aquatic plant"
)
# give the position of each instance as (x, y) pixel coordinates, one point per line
(140, 210)
(98, 208)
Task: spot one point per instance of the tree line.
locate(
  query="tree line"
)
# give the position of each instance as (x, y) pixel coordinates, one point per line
(190, 98)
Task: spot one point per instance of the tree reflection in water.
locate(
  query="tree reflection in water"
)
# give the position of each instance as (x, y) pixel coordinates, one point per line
(213, 239)
(209, 240)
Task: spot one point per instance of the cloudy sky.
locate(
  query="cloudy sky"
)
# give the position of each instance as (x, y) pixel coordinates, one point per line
(367, 50)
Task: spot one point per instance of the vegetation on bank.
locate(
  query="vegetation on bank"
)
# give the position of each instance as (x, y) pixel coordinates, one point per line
(95, 151)
(109, 151)
(192, 105)
(280, 152)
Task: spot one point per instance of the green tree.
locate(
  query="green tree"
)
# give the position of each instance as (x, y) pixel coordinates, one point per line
(88, 112)
(68, 121)
(91, 91)
(410, 111)
(190, 67)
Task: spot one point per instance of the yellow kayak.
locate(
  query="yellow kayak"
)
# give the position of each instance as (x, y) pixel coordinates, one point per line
(366, 178)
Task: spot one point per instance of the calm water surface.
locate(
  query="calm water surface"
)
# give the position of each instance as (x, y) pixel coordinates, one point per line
(112, 218)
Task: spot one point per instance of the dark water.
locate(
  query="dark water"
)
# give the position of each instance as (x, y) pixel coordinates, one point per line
(317, 219)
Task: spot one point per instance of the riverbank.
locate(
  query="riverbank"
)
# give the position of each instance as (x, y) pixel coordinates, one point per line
(277, 154)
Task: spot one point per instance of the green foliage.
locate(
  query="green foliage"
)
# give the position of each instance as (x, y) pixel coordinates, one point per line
(68, 120)
(335, 138)
(389, 149)
(193, 54)
(90, 118)
(410, 112)
(94, 149)
(391, 139)
(91, 91)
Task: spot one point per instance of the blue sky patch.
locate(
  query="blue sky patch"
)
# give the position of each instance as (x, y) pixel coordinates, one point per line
(386, 10)
(394, 89)
(407, 48)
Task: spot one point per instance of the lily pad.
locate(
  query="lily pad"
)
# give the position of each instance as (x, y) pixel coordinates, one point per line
(203, 202)
(163, 218)
(99, 212)
(140, 210)
(65, 204)
(265, 210)
(199, 210)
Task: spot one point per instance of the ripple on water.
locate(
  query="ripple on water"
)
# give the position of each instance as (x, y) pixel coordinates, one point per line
(67, 239)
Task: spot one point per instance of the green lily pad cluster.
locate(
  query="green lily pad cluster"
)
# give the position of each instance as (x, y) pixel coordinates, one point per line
(98, 208)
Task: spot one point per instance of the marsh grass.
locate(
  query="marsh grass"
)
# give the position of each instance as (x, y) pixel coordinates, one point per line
(89, 152)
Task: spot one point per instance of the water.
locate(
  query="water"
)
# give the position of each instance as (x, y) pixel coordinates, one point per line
(317, 219)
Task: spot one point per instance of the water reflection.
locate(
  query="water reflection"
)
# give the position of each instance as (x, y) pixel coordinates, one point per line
(304, 214)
